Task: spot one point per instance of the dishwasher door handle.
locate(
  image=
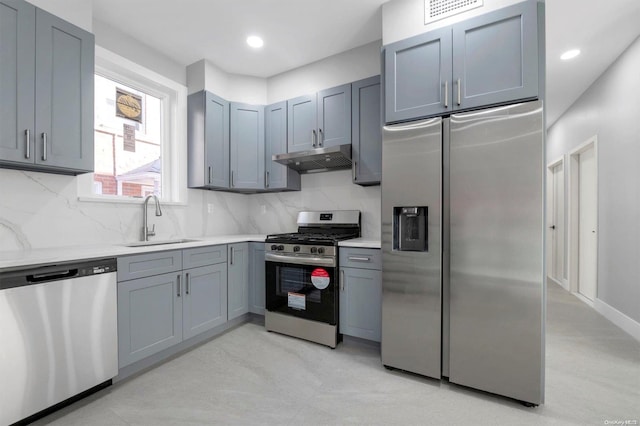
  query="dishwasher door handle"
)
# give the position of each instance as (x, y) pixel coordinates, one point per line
(51, 276)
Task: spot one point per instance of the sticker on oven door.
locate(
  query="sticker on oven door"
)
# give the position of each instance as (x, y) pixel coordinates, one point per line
(296, 301)
(320, 278)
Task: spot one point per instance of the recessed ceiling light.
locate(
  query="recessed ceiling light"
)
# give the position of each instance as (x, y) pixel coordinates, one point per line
(570, 54)
(255, 42)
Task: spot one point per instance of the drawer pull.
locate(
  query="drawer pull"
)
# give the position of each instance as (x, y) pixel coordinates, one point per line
(359, 259)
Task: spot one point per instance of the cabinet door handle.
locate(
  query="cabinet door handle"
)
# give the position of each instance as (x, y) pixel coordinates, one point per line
(44, 146)
(355, 166)
(359, 259)
(187, 284)
(446, 94)
(231, 256)
(232, 184)
(266, 183)
(209, 174)
(320, 137)
(178, 285)
(27, 137)
(313, 138)
(342, 280)
(459, 93)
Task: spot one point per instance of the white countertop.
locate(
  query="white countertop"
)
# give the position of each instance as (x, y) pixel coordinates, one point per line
(21, 258)
(360, 243)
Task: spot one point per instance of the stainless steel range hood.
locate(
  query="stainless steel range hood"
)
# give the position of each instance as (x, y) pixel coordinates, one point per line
(317, 160)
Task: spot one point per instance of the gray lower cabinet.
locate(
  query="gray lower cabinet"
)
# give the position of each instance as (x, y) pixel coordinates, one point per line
(257, 280)
(160, 304)
(488, 60)
(247, 146)
(149, 316)
(204, 304)
(46, 91)
(238, 284)
(207, 141)
(277, 176)
(366, 127)
(360, 293)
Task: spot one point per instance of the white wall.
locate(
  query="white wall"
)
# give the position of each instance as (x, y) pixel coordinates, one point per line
(271, 213)
(352, 65)
(114, 40)
(204, 75)
(405, 18)
(78, 12)
(610, 109)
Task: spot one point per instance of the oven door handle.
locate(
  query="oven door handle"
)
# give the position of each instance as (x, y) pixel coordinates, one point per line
(300, 260)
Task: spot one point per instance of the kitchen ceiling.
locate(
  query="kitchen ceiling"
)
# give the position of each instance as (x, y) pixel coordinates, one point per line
(297, 32)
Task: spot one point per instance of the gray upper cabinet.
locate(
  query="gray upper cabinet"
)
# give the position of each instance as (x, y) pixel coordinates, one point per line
(302, 133)
(488, 60)
(496, 57)
(64, 94)
(46, 89)
(334, 116)
(278, 176)
(238, 285)
(17, 76)
(321, 120)
(366, 127)
(208, 141)
(418, 76)
(247, 146)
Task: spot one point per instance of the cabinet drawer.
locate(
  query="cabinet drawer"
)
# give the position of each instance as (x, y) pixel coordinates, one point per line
(203, 256)
(363, 258)
(146, 265)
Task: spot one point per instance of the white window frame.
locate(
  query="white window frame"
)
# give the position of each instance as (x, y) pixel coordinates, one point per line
(173, 97)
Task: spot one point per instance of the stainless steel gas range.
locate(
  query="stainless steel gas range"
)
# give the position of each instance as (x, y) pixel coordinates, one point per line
(302, 276)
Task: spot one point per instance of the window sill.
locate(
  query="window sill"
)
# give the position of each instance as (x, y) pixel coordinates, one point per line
(121, 200)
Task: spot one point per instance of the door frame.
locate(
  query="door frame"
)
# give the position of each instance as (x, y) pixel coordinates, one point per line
(574, 214)
(550, 204)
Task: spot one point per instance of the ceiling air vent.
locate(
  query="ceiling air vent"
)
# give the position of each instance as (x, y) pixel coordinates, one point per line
(435, 10)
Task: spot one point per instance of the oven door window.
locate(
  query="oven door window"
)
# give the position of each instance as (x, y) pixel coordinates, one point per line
(303, 291)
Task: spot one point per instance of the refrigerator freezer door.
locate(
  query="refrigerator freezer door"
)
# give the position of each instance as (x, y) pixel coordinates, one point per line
(411, 280)
(496, 283)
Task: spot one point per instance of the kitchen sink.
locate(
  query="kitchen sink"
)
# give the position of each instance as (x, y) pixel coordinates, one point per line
(161, 242)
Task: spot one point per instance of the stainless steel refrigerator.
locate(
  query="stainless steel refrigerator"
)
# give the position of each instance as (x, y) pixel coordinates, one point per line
(462, 245)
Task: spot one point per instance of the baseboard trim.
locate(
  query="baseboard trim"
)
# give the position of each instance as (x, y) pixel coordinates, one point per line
(562, 284)
(584, 299)
(629, 325)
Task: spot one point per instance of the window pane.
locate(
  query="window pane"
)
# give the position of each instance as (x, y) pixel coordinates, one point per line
(128, 135)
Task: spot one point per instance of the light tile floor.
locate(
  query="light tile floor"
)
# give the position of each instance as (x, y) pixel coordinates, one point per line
(249, 376)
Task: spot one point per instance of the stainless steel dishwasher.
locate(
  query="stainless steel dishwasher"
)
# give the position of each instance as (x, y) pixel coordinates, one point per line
(58, 334)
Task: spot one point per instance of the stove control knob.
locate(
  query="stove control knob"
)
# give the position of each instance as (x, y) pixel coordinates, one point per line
(296, 248)
(314, 250)
(280, 247)
(320, 250)
(274, 247)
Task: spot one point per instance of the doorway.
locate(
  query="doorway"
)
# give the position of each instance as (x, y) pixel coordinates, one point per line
(583, 206)
(556, 229)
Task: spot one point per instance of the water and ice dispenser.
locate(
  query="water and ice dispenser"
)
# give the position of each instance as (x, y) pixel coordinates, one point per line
(410, 228)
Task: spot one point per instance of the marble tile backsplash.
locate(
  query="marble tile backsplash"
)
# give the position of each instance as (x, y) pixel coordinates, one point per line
(40, 210)
(277, 212)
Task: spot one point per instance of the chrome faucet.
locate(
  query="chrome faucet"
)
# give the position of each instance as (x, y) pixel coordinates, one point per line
(146, 233)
